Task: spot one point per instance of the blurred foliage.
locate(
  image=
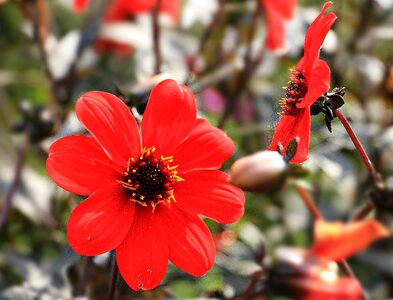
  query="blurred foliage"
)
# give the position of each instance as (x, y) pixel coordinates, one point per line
(35, 261)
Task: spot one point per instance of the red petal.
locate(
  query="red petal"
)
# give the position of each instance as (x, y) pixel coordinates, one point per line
(111, 123)
(169, 117)
(143, 256)
(139, 6)
(344, 288)
(277, 13)
(289, 128)
(191, 246)
(315, 36)
(79, 165)
(209, 193)
(206, 147)
(80, 5)
(101, 222)
(171, 8)
(337, 241)
(318, 83)
(304, 138)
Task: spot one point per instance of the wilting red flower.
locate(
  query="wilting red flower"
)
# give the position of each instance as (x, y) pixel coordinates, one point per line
(310, 79)
(146, 194)
(121, 9)
(80, 5)
(314, 274)
(277, 13)
(336, 241)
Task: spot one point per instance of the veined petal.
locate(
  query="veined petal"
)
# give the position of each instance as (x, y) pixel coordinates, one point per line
(289, 128)
(79, 165)
(337, 241)
(315, 36)
(206, 147)
(111, 123)
(318, 83)
(100, 223)
(143, 256)
(169, 117)
(208, 193)
(191, 246)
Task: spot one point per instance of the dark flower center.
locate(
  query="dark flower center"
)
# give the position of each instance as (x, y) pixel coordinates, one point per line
(294, 93)
(150, 180)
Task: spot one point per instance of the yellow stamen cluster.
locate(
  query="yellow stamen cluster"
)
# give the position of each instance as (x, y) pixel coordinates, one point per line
(150, 180)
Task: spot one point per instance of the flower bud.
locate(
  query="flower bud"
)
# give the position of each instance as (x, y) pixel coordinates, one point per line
(263, 171)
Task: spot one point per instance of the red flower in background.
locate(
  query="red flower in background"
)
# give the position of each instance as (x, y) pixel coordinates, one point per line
(121, 9)
(310, 79)
(314, 274)
(146, 194)
(277, 13)
(336, 241)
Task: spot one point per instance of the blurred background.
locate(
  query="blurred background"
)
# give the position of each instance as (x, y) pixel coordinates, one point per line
(50, 55)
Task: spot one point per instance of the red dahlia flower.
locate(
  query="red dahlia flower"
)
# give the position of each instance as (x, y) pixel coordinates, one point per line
(121, 9)
(310, 79)
(146, 194)
(277, 13)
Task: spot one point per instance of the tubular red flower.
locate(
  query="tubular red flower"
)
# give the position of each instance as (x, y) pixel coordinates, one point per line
(277, 13)
(120, 9)
(310, 80)
(146, 194)
(337, 241)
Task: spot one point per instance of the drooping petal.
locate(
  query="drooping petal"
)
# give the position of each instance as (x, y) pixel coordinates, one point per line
(206, 147)
(143, 256)
(290, 128)
(169, 117)
(315, 36)
(337, 241)
(80, 5)
(139, 6)
(79, 165)
(277, 13)
(191, 246)
(111, 123)
(303, 133)
(101, 222)
(344, 288)
(208, 193)
(318, 83)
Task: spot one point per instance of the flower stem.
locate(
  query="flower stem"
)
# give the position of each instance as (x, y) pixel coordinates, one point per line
(15, 182)
(348, 271)
(85, 275)
(115, 273)
(377, 179)
(309, 202)
(363, 212)
(156, 36)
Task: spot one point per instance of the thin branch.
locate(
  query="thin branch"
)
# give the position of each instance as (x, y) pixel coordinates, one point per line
(15, 181)
(309, 202)
(215, 21)
(249, 68)
(156, 36)
(378, 182)
(363, 212)
(348, 271)
(85, 276)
